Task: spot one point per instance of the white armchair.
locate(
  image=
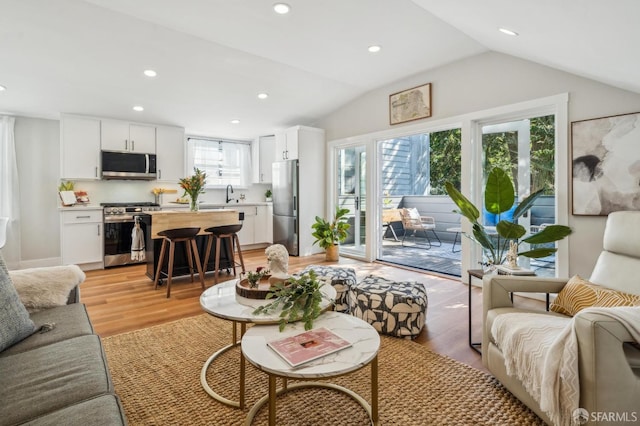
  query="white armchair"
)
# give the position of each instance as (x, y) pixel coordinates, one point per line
(609, 357)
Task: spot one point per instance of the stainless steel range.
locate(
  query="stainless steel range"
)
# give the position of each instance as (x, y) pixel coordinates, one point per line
(119, 221)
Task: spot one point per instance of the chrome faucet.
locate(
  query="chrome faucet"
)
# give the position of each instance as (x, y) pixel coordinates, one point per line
(229, 187)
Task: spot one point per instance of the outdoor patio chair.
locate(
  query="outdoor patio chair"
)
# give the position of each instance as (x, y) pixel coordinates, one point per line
(413, 224)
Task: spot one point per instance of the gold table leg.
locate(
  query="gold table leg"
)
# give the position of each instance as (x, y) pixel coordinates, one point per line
(374, 391)
(235, 341)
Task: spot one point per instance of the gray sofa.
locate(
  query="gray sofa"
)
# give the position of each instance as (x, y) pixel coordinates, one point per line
(59, 374)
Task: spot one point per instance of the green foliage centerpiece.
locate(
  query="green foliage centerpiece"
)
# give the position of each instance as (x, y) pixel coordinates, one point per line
(499, 197)
(299, 299)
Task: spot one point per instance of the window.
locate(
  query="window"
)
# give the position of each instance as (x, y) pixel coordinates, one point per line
(420, 164)
(225, 162)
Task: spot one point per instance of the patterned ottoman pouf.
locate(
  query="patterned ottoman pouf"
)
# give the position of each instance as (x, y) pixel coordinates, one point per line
(395, 308)
(330, 273)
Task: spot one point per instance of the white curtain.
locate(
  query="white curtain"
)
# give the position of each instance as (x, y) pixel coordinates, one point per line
(226, 162)
(9, 192)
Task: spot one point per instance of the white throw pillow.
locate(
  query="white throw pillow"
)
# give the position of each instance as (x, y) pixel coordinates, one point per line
(44, 288)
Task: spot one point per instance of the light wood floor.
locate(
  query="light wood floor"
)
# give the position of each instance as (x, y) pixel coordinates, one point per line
(122, 299)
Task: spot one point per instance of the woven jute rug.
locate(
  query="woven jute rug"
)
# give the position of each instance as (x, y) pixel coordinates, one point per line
(156, 373)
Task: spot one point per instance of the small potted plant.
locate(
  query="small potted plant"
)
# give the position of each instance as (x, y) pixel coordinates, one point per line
(299, 299)
(255, 277)
(329, 234)
(267, 195)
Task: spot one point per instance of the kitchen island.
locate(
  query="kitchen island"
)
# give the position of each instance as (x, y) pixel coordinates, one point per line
(172, 219)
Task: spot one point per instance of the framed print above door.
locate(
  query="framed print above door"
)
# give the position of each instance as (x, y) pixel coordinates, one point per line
(411, 104)
(605, 154)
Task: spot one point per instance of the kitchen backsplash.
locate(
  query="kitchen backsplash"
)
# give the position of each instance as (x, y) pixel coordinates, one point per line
(125, 191)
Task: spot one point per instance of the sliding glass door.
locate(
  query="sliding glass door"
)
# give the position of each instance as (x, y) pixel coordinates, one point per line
(525, 149)
(351, 194)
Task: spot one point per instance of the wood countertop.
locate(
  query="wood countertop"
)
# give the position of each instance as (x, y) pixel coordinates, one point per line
(163, 220)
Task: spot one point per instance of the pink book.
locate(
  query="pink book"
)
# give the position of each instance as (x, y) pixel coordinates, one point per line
(307, 346)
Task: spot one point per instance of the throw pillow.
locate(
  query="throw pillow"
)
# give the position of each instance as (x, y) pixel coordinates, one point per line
(413, 213)
(15, 323)
(579, 293)
(44, 288)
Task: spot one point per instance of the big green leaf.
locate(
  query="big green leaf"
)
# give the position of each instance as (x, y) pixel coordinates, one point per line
(549, 234)
(526, 204)
(510, 230)
(483, 238)
(499, 195)
(538, 252)
(467, 209)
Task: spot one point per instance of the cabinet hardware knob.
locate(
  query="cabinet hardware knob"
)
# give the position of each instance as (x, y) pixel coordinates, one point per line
(83, 217)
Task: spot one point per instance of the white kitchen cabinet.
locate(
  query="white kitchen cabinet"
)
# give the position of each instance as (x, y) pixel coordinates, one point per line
(79, 147)
(264, 224)
(170, 149)
(81, 237)
(286, 144)
(247, 234)
(311, 151)
(264, 154)
(123, 136)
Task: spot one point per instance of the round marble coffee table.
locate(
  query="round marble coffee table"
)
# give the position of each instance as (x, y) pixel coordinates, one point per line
(221, 301)
(365, 342)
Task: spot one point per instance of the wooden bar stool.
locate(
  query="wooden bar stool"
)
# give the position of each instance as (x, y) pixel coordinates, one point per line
(171, 237)
(229, 234)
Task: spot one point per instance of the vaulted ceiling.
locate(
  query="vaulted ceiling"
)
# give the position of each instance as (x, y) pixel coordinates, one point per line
(213, 57)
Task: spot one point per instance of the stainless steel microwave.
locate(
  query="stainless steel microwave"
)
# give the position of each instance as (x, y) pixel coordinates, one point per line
(128, 165)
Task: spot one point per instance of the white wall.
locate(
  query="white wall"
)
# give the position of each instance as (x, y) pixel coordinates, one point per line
(38, 152)
(487, 81)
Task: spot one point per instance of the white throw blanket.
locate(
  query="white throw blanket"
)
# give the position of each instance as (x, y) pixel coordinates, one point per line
(542, 352)
(137, 243)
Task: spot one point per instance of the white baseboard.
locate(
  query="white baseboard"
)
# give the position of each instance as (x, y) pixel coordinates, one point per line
(39, 263)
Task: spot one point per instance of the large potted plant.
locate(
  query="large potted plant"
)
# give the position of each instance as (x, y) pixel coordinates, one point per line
(499, 197)
(329, 234)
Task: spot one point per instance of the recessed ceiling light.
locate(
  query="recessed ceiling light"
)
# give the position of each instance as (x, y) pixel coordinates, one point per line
(150, 73)
(263, 95)
(281, 8)
(507, 31)
(138, 108)
(2, 88)
(374, 48)
(235, 121)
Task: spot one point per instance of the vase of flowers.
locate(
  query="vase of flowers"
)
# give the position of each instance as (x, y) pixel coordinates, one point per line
(194, 186)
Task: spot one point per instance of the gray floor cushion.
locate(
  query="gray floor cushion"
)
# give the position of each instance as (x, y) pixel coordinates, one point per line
(342, 279)
(52, 377)
(396, 308)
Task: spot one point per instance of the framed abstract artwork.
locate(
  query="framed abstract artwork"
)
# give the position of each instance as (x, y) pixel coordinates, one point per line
(605, 154)
(411, 104)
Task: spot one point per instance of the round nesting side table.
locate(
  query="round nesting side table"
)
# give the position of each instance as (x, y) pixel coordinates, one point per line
(221, 301)
(365, 343)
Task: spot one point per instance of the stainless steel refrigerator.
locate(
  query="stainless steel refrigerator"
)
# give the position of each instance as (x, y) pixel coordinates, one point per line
(285, 205)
